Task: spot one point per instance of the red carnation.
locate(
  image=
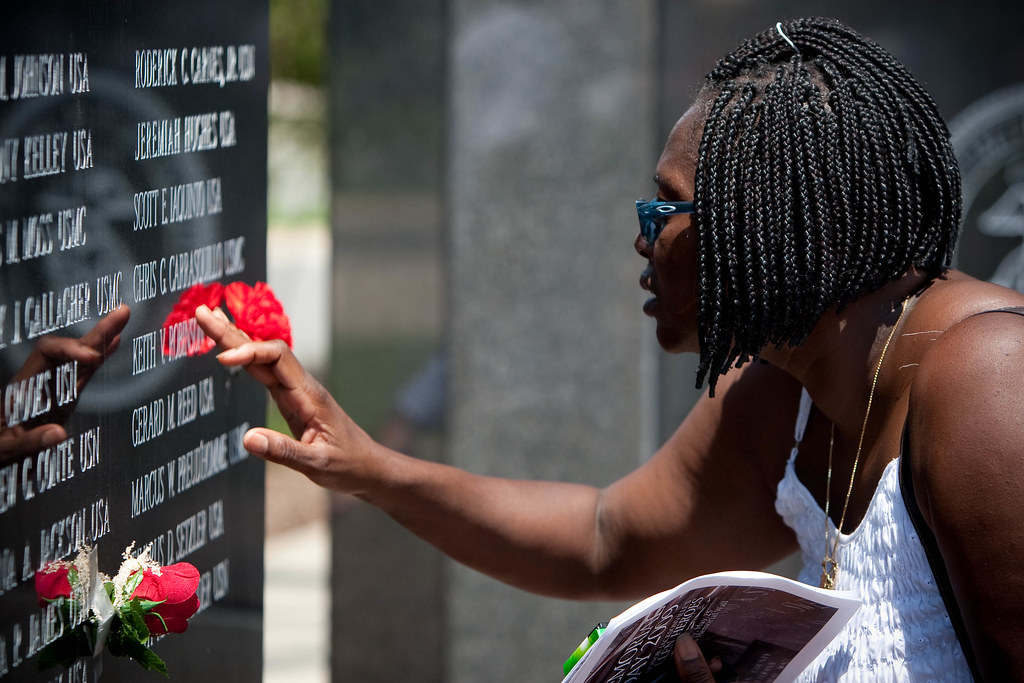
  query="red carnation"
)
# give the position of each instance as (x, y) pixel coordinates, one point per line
(52, 582)
(257, 312)
(191, 299)
(175, 589)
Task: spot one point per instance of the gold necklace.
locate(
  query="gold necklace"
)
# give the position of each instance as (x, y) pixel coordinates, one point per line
(830, 563)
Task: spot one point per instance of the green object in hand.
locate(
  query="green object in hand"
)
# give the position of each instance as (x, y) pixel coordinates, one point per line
(577, 655)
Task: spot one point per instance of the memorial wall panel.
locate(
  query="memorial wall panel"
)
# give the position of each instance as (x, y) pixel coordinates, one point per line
(132, 167)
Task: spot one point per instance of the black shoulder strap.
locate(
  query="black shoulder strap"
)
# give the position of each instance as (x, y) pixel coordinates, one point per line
(1019, 310)
(931, 549)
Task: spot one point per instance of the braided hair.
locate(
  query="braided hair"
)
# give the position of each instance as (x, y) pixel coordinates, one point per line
(823, 172)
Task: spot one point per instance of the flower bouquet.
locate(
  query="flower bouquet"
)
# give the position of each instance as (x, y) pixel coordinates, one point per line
(256, 311)
(119, 614)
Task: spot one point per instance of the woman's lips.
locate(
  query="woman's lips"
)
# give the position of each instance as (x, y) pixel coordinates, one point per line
(647, 284)
(647, 277)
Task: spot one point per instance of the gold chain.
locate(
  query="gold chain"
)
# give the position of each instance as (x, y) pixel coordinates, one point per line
(830, 563)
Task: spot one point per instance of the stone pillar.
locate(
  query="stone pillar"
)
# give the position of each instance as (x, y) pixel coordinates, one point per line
(387, 70)
(551, 136)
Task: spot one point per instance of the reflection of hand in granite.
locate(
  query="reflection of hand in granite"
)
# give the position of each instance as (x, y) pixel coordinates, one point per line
(41, 396)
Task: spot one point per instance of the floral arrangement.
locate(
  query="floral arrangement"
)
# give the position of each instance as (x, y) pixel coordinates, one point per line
(256, 311)
(120, 614)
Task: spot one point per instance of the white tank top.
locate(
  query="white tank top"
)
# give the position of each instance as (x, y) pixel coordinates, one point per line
(902, 632)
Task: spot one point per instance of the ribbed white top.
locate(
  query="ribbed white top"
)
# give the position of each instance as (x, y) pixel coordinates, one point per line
(902, 632)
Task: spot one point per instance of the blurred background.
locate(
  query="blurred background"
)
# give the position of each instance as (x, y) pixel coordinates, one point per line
(296, 595)
(450, 229)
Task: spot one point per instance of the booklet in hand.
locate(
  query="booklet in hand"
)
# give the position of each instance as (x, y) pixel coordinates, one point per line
(763, 627)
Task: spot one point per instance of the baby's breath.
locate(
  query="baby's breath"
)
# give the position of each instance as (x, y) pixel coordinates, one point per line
(130, 573)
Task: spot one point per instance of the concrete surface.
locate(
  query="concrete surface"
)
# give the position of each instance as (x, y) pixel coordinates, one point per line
(296, 605)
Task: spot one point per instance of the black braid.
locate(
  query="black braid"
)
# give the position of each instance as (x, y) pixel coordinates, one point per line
(708, 268)
(821, 175)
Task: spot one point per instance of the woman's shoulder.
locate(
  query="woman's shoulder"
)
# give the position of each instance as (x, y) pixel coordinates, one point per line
(957, 296)
(956, 327)
(966, 325)
(966, 398)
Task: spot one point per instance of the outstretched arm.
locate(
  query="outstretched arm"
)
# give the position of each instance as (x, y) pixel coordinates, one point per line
(649, 531)
(499, 526)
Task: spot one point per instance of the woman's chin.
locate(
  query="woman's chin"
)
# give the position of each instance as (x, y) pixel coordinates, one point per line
(674, 340)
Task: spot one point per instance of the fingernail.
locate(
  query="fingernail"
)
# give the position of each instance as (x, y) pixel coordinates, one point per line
(51, 437)
(257, 444)
(687, 647)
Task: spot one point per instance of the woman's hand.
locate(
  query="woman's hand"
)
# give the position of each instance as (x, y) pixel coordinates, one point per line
(328, 447)
(690, 663)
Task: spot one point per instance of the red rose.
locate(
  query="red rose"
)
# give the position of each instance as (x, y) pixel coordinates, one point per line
(257, 312)
(191, 299)
(175, 589)
(52, 582)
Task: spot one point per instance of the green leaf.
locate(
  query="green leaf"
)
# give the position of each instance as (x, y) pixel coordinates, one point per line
(148, 659)
(133, 618)
(116, 638)
(145, 657)
(132, 583)
(147, 605)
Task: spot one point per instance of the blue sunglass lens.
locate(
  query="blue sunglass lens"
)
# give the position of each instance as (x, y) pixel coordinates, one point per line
(651, 228)
(652, 225)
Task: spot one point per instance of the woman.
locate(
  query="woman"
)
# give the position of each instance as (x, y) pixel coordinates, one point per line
(814, 258)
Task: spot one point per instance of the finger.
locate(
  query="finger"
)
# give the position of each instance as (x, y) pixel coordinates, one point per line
(271, 363)
(227, 336)
(109, 326)
(218, 328)
(690, 664)
(112, 345)
(89, 369)
(94, 346)
(296, 392)
(275, 355)
(283, 450)
(14, 443)
(61, 349)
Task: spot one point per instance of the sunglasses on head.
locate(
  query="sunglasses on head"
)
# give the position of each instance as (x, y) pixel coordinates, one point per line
(654, 214)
